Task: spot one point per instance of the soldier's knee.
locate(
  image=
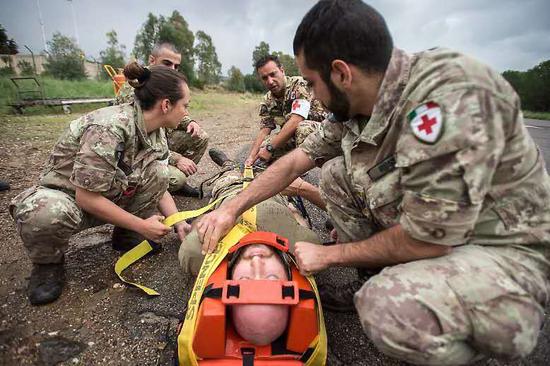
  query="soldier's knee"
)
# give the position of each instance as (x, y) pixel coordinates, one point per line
(403, 327)
(46, 211)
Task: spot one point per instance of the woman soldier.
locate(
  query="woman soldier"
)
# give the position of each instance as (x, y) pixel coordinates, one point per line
(109, 166)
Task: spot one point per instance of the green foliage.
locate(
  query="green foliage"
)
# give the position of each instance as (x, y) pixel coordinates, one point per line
(6, 71)
(260, 51)
(65, 59)
(252, 84)
(114, 54)
(533, 86)
(235, 82)
(289, 64)
(25, 67)
(209, 68)
(174, 30)
(7, 46)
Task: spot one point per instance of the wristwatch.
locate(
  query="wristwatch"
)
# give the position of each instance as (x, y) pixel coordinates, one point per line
(269, 148)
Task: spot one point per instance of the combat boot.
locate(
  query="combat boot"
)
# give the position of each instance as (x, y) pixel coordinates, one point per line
(4, 186)
(123, 239)
(218, 156)
(187, 191)
(340, 298)
(46, 283)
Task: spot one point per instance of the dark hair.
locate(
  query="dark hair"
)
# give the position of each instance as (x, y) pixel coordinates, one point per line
(154, 83)
(265, 59)
(349, 30)
(161, 45)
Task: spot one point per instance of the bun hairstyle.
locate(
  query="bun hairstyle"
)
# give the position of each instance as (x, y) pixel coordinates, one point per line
(154, 83)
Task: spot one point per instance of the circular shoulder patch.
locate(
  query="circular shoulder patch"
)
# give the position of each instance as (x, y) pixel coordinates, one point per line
(426, 122)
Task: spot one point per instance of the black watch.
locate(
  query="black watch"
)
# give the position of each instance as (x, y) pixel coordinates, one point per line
(269, 148)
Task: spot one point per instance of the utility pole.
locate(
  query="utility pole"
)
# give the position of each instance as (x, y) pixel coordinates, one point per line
(74, 23)
(41, 24)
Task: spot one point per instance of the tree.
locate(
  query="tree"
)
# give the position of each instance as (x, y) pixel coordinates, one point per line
(114, 54)
(533, 86)
(174, 30)
(289, 63)
(260, 51)
(7, 47)
(252, 84)
(65, 60)
(146, 38)
(209, 68)
(235, 82)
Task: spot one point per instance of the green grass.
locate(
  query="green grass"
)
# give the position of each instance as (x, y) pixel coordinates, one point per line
(537, 115)
(54, 88)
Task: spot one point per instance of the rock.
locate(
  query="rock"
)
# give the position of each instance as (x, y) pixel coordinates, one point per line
(58, 349)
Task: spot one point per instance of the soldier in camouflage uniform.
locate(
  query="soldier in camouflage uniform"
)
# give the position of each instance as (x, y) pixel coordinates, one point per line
(274, 214)
(289, 106)
(109, 166)
(428, 173)
(187, 142)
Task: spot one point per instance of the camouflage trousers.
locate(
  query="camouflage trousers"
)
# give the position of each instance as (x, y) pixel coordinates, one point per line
(303, 130)
(192, 148)
(47, 218)
(272, 215)
(476, 302)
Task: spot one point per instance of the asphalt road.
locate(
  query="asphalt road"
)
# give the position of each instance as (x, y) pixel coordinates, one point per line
(540, 130)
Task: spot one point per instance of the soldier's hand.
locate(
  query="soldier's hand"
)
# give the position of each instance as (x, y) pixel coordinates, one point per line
(194, 129)
(311, 258)
(153, 229)
(250, 161)
(264, 154)
(182, 229)
(213, 226)
(187, 166)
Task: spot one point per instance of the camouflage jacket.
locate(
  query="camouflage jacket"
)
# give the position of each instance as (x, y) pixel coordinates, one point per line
(445, 153)
(85, 155)
(126, 95)
(276, 111)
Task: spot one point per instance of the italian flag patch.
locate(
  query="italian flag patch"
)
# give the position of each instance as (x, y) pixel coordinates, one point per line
(426, 122)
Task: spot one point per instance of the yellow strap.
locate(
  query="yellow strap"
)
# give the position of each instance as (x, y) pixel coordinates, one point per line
(110, 70)
(138, 252)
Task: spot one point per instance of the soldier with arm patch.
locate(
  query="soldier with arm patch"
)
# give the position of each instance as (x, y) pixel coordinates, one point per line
(431, 179)
(109, 166)
(188, 141)
(288, 105)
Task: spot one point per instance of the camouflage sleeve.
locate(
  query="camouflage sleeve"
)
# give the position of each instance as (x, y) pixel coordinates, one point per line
(317, 112)
(125, 94)
(325, 143)
(95, 163)
(174, 157)
(266, 120)
(445, 181)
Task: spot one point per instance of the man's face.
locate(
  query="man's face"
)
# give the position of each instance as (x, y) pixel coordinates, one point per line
(327, 93)
(259, 262)
(273, 78)
(166, 58)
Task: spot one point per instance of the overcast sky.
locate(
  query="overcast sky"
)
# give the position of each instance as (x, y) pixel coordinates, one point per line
(506, 34)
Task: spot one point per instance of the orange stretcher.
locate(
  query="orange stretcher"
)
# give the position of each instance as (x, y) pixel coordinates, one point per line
(215, 341)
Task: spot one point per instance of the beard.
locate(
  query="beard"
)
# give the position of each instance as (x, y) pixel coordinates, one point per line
(339, 104)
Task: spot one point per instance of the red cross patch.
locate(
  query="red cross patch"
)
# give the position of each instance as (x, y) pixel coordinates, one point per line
(295, 105)
(426, 122)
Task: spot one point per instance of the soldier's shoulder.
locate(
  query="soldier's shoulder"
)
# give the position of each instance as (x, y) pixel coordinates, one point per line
(296, 82)
(445, 68)
(119, 119)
